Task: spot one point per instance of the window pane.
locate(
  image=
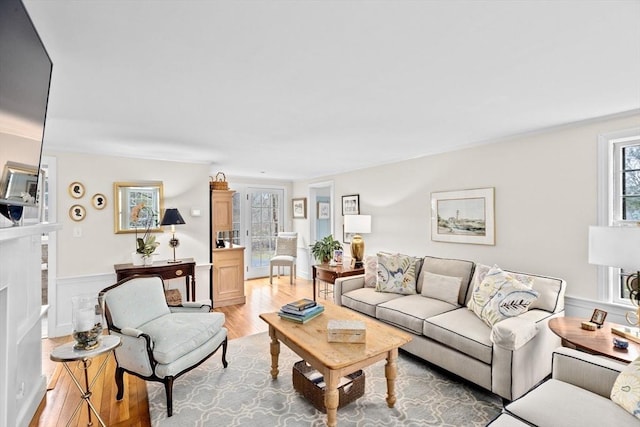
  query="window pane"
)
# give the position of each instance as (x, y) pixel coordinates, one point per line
(631, 156)
(631, 184)
(631, 208)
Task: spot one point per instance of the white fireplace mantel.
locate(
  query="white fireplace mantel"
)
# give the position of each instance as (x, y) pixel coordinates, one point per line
(22, 384)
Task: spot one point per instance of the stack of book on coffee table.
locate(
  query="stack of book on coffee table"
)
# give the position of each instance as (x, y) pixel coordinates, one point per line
(300, 311)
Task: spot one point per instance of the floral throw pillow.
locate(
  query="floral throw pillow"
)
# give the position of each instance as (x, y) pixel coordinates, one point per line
(626, 388)
(501, 295)
(396, 274)
(370, 271)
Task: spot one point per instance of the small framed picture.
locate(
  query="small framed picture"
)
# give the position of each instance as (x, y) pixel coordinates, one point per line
(598, 317)
(299, 208)
(76, 190)
(99, 201)
(324, 210)
(338, 256)
(351, 204)
(77, 212)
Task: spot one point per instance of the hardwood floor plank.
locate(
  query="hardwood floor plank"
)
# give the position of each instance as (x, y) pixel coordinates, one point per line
(133, 409)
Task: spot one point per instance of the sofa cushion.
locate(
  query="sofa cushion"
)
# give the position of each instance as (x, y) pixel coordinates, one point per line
(177, 334)
(396, 274)
(448, 267)
(410, 311)
(438, 286)
(501, 295)
(463, 330)
(575, 407)
(626, 389)
(365, 300)
(370, 271)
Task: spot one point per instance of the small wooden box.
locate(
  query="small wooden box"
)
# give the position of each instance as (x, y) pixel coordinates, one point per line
(350, 331)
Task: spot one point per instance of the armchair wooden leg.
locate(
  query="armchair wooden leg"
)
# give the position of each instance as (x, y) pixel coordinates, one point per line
(168, 390)
(224, 353)
(119, 383)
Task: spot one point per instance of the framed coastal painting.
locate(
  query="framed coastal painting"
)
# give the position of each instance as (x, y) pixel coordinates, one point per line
(299, 208)
(463, 216)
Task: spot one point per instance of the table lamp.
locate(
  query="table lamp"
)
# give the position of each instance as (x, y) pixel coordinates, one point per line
(172, 217)
(357, 224)
(619, 247)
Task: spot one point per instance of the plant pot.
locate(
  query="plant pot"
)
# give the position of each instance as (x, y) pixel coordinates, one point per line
(137, 259)
(148, 260)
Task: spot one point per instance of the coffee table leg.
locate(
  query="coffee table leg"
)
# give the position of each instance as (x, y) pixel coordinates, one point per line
(275, 352)
(391, 371)
(331, 398)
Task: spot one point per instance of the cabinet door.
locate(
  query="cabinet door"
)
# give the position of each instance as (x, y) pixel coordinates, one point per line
(228, 277)
(221, 211)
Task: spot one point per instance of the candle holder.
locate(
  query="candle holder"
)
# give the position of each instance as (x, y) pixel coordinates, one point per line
(86, 320)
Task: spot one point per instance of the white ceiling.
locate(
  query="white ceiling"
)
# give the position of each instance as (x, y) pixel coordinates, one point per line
(302, 89)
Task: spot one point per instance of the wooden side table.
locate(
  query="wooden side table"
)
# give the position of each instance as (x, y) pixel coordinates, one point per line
(598, 342)
(67, 354)
(167, 270)
(329, 274)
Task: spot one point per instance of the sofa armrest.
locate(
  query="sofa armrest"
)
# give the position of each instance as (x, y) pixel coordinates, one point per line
(191, 306)
(343, 285)
(513, 333)
(593, 373)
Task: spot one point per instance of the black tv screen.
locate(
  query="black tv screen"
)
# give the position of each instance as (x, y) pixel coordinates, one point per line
(25, 76)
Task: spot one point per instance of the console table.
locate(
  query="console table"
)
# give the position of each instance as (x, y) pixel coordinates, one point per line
(328, 273)
(598, 342)
(167, 270)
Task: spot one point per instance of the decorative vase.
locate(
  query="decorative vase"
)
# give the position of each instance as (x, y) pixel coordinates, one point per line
(137, 259)
(86, 320)
(147, 260)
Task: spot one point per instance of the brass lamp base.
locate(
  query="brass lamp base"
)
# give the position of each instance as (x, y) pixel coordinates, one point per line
(174, 243)
(357, 250)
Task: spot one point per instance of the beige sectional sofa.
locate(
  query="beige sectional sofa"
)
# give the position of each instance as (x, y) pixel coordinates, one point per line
(576, 395)
(507, 359)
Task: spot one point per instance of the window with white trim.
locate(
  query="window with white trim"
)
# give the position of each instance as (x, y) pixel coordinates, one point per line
(624, 198)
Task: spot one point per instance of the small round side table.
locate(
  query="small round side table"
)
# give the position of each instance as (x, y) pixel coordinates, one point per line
(67, 354)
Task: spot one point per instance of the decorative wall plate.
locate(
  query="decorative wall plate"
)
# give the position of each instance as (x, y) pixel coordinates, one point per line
(76, 190)
(77, 212)
(99, 201)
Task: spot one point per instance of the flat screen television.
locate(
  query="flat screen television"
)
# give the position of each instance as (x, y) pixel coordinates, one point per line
(25, 76)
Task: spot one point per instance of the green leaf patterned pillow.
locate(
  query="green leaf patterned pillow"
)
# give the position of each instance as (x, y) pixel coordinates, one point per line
(396, 274)
(626, 389)
(501, 295)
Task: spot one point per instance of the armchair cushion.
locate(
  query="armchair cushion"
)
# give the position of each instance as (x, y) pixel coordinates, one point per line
(177, 334)
(124, 302)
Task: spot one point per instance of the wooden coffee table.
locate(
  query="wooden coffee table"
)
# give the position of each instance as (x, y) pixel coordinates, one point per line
(335, 360)
(598, 342)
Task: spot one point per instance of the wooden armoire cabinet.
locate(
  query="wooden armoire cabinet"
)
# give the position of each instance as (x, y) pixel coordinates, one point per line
(227, 272)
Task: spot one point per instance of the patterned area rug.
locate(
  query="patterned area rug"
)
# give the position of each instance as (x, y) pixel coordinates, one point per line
(244, 394)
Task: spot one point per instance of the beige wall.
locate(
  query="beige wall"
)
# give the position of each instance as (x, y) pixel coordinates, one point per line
(545, 199)
(99, 248)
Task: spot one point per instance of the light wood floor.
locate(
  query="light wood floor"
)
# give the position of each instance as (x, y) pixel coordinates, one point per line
(133, 410)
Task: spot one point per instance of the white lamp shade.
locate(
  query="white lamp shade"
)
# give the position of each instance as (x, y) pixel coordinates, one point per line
(357, 223)
(615, 247)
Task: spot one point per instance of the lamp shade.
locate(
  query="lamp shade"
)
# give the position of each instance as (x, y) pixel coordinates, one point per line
(172, 217)
(615, 247)
(357, 223)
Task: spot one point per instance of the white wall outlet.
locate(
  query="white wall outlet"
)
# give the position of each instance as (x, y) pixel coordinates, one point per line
(195, 212)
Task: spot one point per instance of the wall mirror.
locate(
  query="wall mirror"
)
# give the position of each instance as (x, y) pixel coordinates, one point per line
(138, 205)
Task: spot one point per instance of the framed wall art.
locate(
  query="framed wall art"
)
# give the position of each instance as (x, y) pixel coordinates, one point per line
(299, 208)
(99, 201)
(324, 210)
(77, 212)
(76, 190)
(351, 204)
(464, 216)
(137, 206)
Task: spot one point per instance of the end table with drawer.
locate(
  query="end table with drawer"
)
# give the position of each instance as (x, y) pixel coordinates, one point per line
(167, 270)
(328, 273)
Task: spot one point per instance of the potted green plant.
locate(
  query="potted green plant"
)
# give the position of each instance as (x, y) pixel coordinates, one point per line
(323, 249)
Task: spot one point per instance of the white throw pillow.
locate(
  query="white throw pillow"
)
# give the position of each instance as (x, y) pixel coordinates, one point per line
(626, 389)
(370, 271)
(443, 288)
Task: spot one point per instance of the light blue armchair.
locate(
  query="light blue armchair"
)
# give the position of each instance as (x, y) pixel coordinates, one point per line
(159, 343)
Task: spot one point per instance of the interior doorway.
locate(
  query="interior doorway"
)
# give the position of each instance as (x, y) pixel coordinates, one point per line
(320, 226)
